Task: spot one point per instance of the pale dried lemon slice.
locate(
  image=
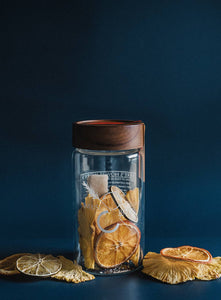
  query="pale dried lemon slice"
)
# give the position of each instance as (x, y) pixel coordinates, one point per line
(114, 248)
(8, 264)
(124, 204)
(38, 265)
(189, 253)
(168, 270)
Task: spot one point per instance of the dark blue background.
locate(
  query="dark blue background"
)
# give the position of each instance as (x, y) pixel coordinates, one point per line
(158, 61)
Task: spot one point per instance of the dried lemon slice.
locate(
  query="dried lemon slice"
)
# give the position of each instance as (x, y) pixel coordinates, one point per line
(123, 204)
(38, 265)
(189, 253)
(8, 264)
(71, 272)
(114, 248)
(168, 270)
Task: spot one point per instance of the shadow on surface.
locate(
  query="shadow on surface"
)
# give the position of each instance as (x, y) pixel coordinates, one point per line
(20, 278)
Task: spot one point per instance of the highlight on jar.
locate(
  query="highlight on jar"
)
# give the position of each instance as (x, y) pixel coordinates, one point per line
(109, 233)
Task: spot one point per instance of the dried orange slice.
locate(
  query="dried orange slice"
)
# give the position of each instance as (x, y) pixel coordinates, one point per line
(114, 248)
(124, 204)
(189, 253)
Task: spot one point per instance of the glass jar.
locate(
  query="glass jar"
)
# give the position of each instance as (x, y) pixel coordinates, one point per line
(108, 182)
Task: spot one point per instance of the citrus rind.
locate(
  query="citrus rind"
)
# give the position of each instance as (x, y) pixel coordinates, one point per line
(124, 205)
(39, 265)
(188, 253)
(114, 248)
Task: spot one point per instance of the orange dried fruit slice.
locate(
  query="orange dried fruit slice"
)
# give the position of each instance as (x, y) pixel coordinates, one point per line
(188, 253)
(8, 264)
(112, 215)
(168, 270)
(133, 198)
(40, 265)
(123, 204)
(114, 248)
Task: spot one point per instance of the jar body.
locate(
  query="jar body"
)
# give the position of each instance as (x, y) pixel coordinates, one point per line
(109, 210)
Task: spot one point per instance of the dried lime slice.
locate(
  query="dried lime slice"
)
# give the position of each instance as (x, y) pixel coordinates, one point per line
(38, 265)
(123, 204)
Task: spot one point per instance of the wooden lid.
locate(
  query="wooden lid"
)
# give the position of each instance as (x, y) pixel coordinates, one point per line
(108, 134)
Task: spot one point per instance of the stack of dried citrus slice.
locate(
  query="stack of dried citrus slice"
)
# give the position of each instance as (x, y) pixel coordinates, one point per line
(176, 265)
(108, 235)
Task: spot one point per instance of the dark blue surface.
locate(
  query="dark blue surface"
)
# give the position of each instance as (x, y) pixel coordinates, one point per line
(131, 287)
(159, 61)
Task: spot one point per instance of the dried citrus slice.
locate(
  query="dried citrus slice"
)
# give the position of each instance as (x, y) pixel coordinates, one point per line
(114, 248)
(8, 264)
(38, 265)
(108, 212)
(123, 204)
(168, 270)
(189, 253)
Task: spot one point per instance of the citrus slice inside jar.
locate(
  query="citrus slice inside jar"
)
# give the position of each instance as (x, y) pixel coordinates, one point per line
(114, 248)
(123, 204)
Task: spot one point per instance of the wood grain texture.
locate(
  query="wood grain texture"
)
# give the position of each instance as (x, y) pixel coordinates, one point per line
(108, 134)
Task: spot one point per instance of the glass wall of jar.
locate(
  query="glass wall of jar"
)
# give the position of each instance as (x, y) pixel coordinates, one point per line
(108, 180)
